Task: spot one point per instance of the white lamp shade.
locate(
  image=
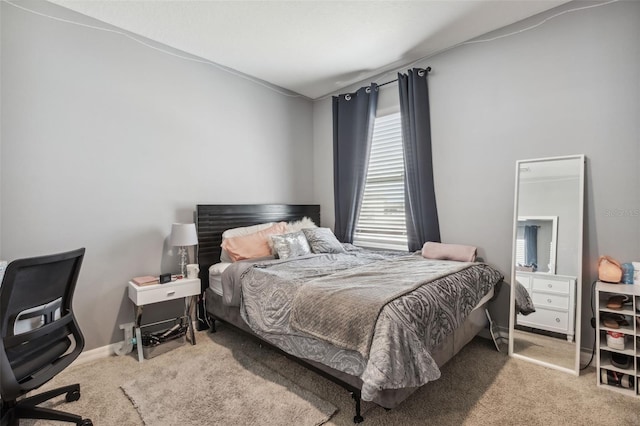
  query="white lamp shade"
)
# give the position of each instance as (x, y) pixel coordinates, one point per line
(184, 234)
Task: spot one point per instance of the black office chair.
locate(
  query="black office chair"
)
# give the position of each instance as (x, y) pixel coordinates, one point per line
(40, 289)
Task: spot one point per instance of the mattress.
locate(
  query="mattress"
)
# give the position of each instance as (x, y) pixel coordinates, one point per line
(215, 277)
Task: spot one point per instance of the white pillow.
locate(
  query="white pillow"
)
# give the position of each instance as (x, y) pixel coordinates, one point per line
(301, 224)
(218, 268)
(239, 232)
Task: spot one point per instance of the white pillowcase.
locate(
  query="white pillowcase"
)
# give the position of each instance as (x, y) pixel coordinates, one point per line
(239, 232)
(218, 268)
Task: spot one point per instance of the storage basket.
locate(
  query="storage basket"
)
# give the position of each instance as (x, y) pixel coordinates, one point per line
(159, 342)
(615, 340)
(613, 378)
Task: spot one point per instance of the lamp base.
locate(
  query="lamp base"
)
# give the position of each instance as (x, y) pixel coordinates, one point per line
(182, 251)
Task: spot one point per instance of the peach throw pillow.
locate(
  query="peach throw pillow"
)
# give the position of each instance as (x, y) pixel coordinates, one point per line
(252, 245)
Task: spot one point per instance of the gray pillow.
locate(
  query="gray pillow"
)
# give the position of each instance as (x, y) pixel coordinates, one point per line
(289, 245)
(322, 240)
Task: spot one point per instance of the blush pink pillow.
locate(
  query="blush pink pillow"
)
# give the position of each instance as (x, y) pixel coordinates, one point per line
(252, 245)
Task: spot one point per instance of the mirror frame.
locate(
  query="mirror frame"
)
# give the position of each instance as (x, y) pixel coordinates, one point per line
(512, 298)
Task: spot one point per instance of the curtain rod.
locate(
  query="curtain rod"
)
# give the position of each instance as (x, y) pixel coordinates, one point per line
(428, 70)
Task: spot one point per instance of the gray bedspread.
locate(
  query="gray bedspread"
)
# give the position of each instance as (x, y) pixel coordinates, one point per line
(342, 308)
(524, 304)
(407, 327)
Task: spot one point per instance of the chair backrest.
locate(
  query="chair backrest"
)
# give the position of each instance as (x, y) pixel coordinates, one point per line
(46, 282)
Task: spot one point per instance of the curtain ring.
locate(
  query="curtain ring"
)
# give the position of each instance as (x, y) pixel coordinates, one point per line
(421, 73)
(368, 89)
(347, 97)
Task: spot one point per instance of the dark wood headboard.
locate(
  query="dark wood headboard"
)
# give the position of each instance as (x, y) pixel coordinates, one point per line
(213, 220)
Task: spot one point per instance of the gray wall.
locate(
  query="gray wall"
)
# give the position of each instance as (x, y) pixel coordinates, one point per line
(569, 86)
(99, 138)
(106, 142)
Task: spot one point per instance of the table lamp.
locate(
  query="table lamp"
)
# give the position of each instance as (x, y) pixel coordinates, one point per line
(183, 235)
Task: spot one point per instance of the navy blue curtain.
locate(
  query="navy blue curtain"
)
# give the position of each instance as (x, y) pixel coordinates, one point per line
(531, 245)
(353, 118)
(420, 198)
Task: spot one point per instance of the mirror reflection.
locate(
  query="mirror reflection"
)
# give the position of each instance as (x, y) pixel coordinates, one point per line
(536, 243)
(546, 261)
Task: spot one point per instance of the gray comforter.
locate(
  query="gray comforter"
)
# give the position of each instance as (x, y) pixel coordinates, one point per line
(403, 330)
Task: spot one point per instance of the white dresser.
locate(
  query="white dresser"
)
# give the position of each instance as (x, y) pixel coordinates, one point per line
(554, 298)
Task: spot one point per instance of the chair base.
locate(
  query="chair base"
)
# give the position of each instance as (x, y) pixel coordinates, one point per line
(13, 411)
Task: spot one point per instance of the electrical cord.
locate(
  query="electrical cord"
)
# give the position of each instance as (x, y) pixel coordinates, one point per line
(593, 316)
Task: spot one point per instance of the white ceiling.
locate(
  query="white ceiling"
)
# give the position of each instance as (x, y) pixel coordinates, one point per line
(310, 47)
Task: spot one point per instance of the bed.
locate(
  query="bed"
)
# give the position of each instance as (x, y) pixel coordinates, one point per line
(311, 307)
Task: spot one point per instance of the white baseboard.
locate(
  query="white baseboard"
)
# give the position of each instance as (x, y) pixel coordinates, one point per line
(97, 353)
(502, 335)
(585, 356)
(110, 350)
(107, 351)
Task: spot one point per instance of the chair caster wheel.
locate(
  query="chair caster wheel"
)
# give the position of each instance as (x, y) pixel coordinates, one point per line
(358, 419)
(72, 396)
(86, 422)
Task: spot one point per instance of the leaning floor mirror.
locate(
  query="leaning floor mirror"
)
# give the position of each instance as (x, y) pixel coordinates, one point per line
(546, 272)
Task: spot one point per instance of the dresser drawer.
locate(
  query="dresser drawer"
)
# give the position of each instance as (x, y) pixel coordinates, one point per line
(554, 286)
(550, 300)
(547, 320)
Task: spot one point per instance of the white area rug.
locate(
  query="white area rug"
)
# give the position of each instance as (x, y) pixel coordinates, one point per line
(222, 388)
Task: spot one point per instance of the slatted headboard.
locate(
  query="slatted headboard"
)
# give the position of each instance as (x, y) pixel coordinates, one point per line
(213, 220)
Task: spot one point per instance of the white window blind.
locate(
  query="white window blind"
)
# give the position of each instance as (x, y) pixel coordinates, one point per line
(381, 221)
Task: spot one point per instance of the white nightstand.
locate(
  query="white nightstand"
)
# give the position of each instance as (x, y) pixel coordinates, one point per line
(189, 289)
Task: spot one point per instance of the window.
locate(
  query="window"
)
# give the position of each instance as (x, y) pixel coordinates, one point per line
(520, 246)
(381, 222)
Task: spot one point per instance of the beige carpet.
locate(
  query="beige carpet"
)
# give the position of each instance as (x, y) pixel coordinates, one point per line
(480, 386)
(240, 390)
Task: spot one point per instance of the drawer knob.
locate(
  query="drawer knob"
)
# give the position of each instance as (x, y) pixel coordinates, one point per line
(550, 285)
(171, 293)
(549, 300)
(557, 319)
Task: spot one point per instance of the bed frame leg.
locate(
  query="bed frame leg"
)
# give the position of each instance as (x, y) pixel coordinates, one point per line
(212, 327)
(358, 417)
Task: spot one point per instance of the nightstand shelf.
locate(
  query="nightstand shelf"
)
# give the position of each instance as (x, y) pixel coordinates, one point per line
(628, 377)
(189, 289)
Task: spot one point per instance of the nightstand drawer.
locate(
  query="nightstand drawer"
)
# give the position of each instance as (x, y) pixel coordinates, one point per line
(162, 292)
